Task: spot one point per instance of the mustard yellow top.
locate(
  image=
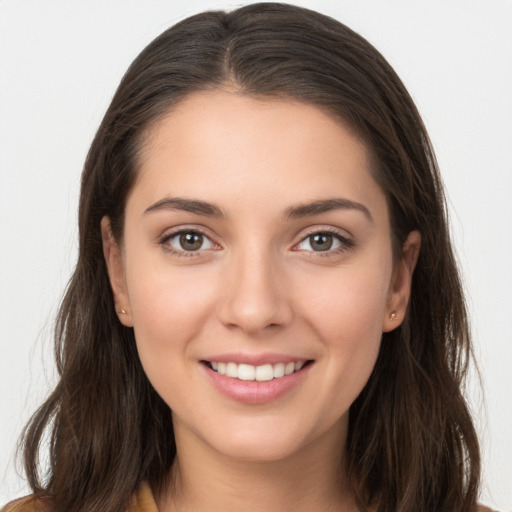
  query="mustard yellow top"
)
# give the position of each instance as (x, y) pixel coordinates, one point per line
(142, 501)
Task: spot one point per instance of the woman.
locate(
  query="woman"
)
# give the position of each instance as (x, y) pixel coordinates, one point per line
(266, 312)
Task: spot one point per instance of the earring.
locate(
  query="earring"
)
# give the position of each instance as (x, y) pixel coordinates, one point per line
(122, 312)
(393, 316)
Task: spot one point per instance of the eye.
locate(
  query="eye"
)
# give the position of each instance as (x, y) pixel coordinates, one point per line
(189, 241)
(323, 241)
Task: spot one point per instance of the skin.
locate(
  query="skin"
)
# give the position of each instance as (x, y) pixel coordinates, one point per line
(257, 285)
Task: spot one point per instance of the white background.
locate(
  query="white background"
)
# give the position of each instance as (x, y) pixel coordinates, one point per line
(59, 65)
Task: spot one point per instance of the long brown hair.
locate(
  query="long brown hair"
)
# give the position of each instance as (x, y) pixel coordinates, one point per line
(411, 444)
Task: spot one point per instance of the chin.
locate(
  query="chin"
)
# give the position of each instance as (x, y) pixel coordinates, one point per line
(261, 441)
(264, 449)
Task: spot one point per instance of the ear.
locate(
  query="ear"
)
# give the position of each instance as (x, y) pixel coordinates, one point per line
(400, 289)
(114, 261)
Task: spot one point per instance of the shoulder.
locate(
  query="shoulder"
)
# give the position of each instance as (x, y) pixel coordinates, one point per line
(141, 501)
(29, 504)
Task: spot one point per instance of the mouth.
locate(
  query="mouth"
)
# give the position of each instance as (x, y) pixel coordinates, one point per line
(262, 373)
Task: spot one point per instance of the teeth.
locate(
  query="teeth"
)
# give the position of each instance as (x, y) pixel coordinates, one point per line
(278, 370)
(245, 372)
(232, 370)
(261, 373)
(264, 372)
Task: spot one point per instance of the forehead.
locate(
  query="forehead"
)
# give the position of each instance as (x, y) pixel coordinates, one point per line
(227, 118)
(225, 146)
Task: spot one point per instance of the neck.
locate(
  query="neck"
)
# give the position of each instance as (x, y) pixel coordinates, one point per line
(313, 478)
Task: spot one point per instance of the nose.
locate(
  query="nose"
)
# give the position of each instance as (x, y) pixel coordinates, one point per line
(255, 297)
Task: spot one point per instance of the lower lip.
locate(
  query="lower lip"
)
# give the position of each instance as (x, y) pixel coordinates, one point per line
(256, 392)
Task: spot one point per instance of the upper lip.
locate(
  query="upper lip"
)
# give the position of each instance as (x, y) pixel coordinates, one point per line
(255, 359)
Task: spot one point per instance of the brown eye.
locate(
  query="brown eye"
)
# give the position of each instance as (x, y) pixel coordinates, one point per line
(321, 241)
(190, 241)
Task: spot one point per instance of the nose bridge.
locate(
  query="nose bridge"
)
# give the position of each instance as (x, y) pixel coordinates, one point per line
(254, 297)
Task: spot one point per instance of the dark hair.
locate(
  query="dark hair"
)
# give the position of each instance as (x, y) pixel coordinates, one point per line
(411, 444)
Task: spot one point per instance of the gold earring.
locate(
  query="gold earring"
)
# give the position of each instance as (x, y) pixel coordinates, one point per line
(393, 316)
(122, 312)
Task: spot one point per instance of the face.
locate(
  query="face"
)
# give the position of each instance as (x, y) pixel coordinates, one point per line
(257, 273)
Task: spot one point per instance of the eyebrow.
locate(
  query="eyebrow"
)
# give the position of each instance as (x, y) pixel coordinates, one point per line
(326, 205)
(293, 212)
(187, 205)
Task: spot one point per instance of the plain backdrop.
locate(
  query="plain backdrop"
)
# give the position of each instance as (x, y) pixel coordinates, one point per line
(60, 63)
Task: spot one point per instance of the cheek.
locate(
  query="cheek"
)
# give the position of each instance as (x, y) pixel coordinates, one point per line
(164, 297)
(346, 314)
(169, 309)
(352, 333)
(349, 304)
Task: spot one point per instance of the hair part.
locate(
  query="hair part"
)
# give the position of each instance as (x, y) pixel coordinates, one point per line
(411, 443)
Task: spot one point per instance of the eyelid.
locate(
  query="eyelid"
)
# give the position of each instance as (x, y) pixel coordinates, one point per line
(332, 230)
(342, 235)
(163, 239)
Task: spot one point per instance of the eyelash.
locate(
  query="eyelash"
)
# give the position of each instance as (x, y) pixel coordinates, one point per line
(164, 241)
(346, 243)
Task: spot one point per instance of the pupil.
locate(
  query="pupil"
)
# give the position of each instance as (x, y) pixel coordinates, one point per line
(191, 241)
(321, 242)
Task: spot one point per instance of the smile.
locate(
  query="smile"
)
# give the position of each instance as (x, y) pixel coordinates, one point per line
(248, 372)
(270, 378)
